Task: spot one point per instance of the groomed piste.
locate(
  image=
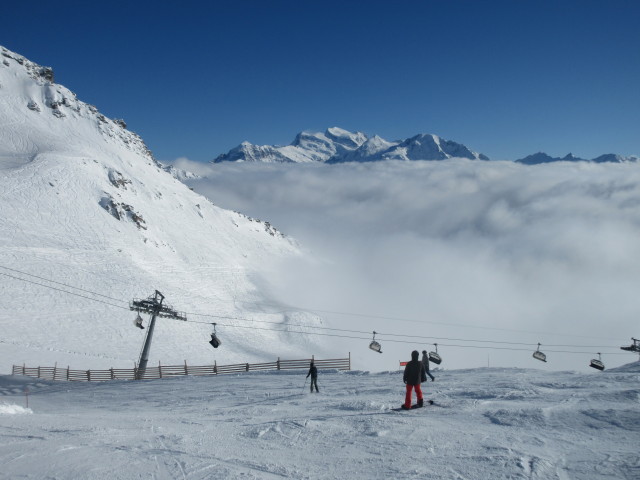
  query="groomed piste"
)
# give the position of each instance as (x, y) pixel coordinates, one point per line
(485, 423)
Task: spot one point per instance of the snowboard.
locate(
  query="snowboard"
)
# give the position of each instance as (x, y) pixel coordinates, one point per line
(413, 407)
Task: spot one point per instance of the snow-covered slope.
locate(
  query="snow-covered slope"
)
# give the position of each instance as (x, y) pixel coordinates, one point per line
(83, 203)
(485, 424)
(337, 145)
(367, 151)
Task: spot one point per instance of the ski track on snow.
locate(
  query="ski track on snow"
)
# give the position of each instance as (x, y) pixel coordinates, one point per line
(486, 423)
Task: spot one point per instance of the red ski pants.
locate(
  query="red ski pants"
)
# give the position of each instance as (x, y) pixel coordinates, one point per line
(407, 398)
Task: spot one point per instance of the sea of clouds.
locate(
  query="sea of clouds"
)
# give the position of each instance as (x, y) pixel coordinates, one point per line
(460, 252)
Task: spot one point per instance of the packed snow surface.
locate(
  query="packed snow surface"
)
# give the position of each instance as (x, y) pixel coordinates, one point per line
(485, 424)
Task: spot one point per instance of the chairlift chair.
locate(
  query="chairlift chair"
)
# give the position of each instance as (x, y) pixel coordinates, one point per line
(597, 364)
(538, 355)
(375, 346)
(634, 347)
(215, 341)
(434, 357)
(138, 321)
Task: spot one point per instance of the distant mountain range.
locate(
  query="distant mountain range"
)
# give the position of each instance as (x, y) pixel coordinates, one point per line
(540, 157)
(337, 145)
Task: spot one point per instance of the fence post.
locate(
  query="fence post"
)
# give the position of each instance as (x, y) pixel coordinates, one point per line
(278, 363)
(349, 360)
(38, 371)
(67, 373)
(186, 370)
(88, 375)
(215, 367)
(247, 367)
(160, 368)
(112, 376)
(55, 368)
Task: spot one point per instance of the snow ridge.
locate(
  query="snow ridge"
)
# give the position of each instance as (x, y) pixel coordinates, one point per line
(32, 87)
(84, 203)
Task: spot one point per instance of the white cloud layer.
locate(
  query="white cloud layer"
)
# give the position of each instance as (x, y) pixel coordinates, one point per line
(480, 251)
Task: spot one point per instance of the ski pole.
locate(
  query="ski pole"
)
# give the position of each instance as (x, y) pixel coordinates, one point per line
(305, 384)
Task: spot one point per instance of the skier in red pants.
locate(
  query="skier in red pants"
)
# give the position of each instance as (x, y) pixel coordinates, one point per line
(414, 375)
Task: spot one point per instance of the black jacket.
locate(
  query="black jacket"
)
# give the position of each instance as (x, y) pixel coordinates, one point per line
(425, 361)
(414, 373)
(313, 371)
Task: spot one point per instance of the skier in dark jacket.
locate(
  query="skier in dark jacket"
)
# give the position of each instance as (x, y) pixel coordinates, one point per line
(313, 371)
(414, 375)
(425, 362)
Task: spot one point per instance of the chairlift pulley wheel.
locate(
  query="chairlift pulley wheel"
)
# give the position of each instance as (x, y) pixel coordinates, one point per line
(634, 347)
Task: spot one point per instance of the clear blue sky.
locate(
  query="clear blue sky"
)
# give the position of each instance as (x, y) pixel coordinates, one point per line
(194, 79)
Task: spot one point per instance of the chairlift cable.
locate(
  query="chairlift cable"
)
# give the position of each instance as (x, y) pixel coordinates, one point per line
(310, 326)
(244, 319)
(390, 334)
(448, 324)
(64, 291)
(60, 283)
(317, 310)
(388, 340)
(490, 341)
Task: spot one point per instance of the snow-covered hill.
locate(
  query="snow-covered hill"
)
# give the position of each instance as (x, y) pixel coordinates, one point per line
(497, 423)
(336, 145)
(84, 203)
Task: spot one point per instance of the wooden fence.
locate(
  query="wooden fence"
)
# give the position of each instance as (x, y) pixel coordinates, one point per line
(164, 371)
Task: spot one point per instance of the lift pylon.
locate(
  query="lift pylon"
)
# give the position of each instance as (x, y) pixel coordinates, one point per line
(153, 306)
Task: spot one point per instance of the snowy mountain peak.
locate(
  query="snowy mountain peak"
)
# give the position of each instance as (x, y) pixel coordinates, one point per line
(85, 203)
(541, 157)
(306, 147)
(350, 141)
(51, 110)
(39, 73)
(429, 147)
(570, 157)
(337, 145)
